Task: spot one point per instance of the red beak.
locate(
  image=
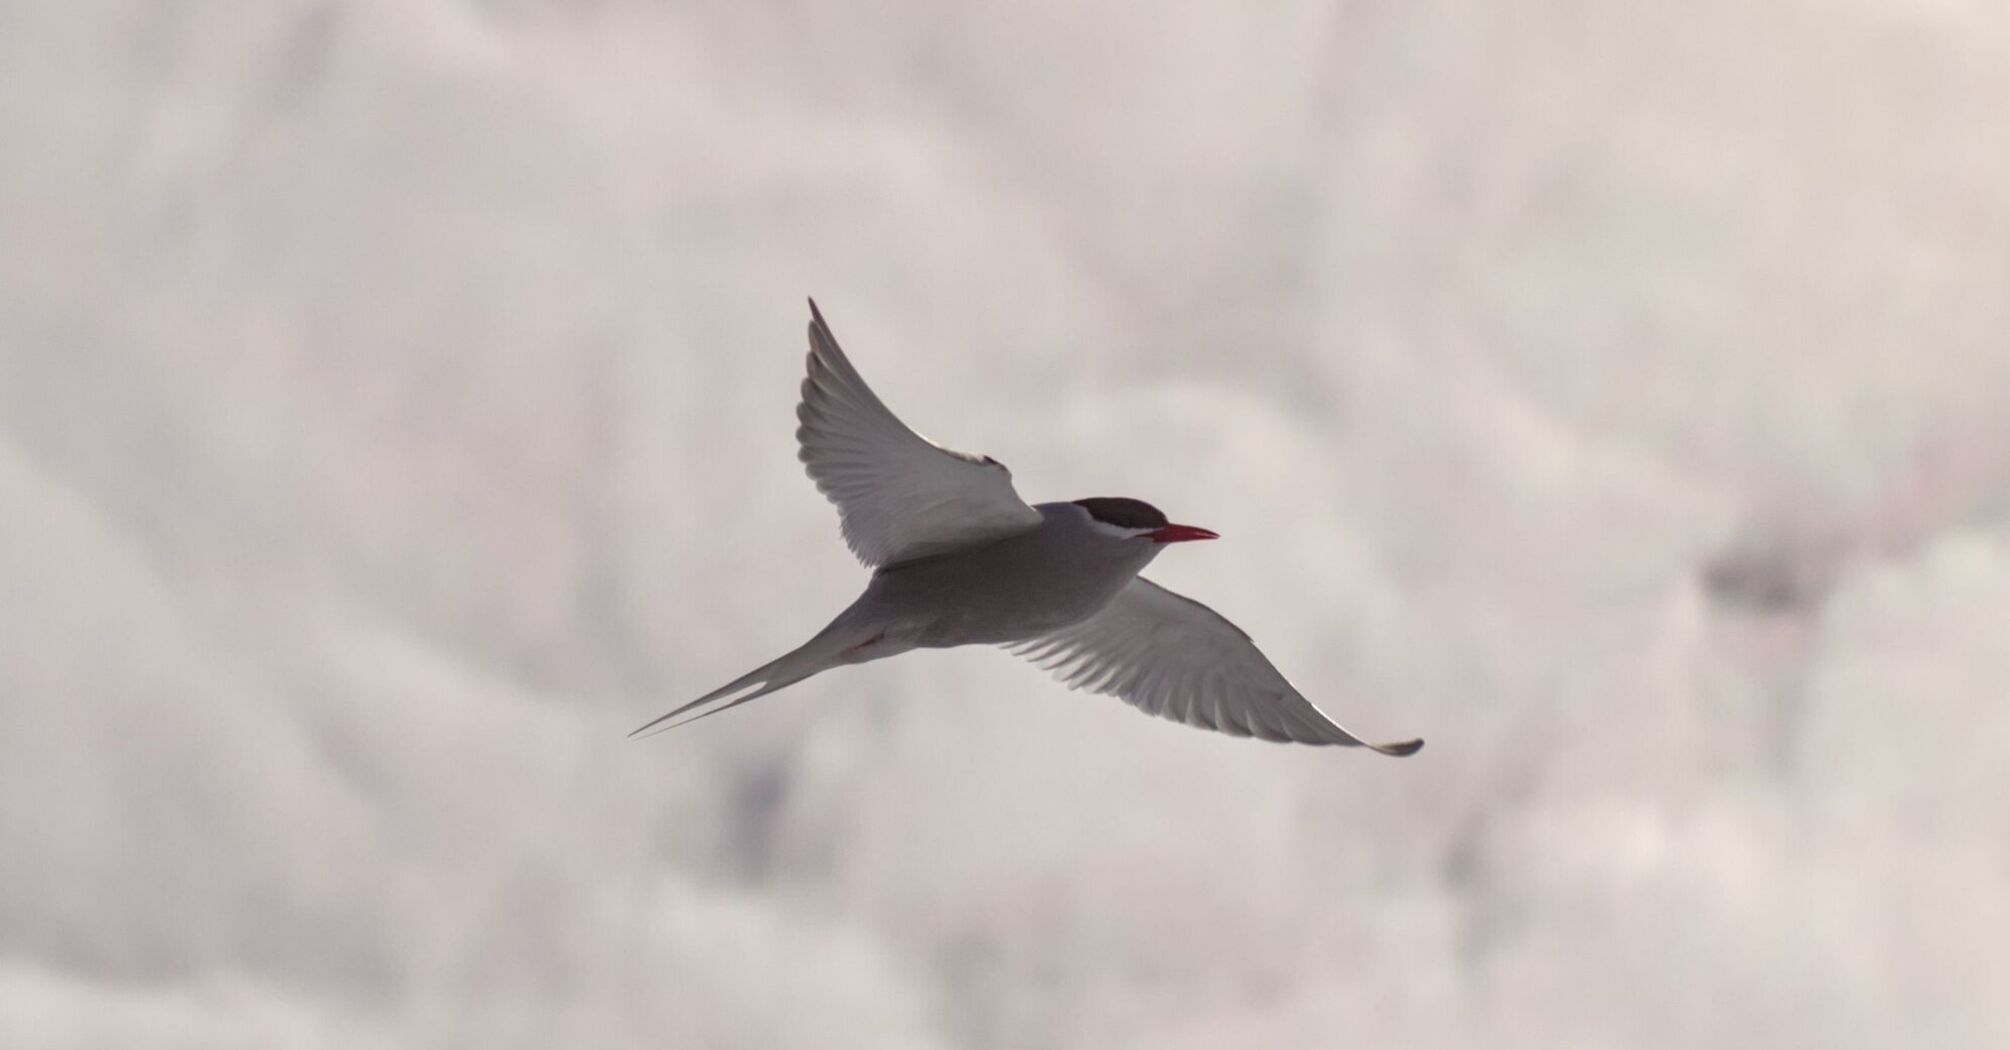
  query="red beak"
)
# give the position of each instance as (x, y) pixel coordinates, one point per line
(1183, 533)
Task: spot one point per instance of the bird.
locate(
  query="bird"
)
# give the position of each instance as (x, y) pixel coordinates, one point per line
(958, 558)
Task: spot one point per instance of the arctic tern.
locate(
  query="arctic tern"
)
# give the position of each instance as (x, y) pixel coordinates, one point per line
(959, 559)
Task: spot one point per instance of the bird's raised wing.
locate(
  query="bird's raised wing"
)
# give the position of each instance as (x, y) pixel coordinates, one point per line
(1178, 659)
(899, 496)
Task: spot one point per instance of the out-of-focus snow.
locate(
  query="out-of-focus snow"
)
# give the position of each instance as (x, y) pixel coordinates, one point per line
(395, 409)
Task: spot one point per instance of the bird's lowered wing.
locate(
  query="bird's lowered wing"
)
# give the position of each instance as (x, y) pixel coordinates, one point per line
(899, 496)
(1178, 659)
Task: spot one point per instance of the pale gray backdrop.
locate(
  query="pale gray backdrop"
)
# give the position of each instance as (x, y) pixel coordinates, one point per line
(395, 408)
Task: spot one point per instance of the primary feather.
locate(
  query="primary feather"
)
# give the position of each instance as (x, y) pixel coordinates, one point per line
(1174, 657)
(899, 496)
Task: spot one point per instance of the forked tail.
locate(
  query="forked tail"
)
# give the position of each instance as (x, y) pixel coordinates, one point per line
(833, 646)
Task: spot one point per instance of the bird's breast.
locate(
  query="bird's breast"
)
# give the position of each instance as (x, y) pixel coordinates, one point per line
(996, 595)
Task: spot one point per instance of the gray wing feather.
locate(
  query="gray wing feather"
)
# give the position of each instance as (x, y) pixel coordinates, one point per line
(899, 496)
(1171, 656)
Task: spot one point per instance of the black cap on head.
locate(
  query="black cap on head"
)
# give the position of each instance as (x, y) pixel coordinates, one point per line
(1123, 513)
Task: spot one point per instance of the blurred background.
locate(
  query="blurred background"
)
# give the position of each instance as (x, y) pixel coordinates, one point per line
(396, 408)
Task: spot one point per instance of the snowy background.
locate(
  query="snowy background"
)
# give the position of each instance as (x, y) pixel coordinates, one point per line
(395, 409)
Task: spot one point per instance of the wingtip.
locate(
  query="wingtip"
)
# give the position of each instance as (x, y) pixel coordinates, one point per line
(1402, 749)
(816, 315)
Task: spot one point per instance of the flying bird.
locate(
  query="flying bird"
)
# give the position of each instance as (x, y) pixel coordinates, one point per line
(957, 558)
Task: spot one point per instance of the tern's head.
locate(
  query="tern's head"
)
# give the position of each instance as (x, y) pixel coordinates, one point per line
(1124, 518)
